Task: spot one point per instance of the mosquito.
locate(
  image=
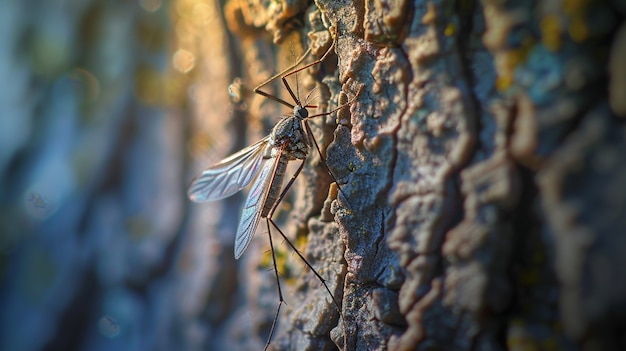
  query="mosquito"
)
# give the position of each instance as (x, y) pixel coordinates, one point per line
(266, 163)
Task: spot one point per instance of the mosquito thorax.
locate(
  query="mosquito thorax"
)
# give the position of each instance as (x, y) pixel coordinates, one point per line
(290, 134)
(300, 112)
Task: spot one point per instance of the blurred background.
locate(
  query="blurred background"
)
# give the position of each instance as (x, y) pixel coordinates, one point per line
(103, 103)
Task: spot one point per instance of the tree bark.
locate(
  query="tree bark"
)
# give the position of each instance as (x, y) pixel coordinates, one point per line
(474, 211)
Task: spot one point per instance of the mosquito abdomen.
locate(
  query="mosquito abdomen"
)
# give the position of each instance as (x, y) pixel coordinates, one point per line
(275, 185)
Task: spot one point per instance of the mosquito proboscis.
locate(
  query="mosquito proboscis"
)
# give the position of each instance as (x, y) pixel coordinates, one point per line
(264, 165)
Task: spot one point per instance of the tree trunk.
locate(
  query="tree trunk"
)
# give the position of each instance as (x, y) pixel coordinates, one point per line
(479, 175)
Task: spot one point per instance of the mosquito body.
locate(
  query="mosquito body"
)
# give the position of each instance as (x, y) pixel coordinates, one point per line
(267, 161)
(264, 165)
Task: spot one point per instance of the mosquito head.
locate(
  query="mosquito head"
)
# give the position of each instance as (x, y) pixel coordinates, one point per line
(300, 112)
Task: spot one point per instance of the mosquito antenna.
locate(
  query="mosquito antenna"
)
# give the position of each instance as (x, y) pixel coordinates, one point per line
(298, 88)
(308, 96)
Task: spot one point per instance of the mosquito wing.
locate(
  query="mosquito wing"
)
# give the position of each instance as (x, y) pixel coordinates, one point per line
(229, 175)
(251, 213)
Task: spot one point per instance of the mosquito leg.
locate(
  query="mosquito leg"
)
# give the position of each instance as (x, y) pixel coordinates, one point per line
(280, 293)
(269, 218)
(319, 152)
(319, 277)
(318, 61)
(278, 75)
(272, 97)
(269, 232)
(317, 147)
(269, 338)
(338, 107)
(283, 75)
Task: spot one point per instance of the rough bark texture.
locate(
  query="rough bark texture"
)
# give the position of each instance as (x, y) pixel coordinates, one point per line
(481, 171)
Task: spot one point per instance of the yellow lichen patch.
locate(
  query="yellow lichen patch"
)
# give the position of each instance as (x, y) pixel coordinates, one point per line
(577, 10)
(450, 30)
(301, 241)
(551, 32)
(507, 61)
(282, 262)
(504, 82)
(505, 64)
(578, 29)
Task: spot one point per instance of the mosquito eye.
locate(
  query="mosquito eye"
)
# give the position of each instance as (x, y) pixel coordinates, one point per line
(303, 113)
